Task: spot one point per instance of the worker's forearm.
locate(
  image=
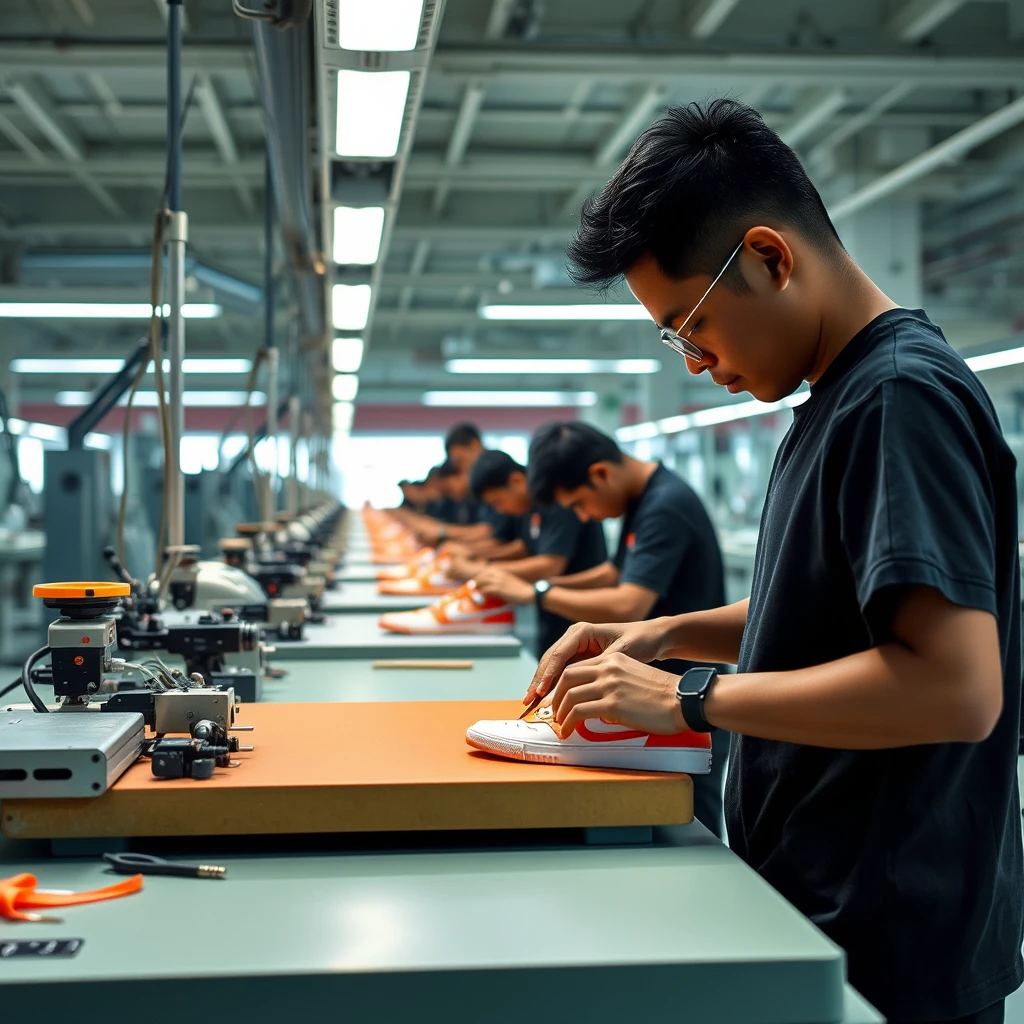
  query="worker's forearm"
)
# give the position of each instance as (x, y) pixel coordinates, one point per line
(885, 697)
(713, 635)
(607, 604)
(603, 575)
(536, 567)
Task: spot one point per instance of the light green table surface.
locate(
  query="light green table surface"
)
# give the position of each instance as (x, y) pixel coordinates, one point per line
(358, 572)
(357, 635)
(363, 597)
(324, 680)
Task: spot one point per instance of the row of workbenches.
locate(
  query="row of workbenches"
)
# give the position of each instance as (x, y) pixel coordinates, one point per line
(617, 924)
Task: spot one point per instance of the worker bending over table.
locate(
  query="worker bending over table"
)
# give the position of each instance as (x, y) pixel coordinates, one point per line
(877, 701)
(668, 560)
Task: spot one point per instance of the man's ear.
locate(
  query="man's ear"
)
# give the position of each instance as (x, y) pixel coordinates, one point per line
(599, 474)
(770, 255)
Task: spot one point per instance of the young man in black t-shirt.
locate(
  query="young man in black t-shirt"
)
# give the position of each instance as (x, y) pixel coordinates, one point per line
(552, 541)
(668, 560)
(878, 694)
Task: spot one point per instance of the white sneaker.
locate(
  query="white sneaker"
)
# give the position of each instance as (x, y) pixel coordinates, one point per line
(594, 743)
(465, 610)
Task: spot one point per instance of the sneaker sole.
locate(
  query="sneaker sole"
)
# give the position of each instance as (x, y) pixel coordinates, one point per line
(650, 759)
(419, 592)
(483, 628)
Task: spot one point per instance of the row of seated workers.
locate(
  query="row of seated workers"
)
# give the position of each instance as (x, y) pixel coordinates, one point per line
(533, 535)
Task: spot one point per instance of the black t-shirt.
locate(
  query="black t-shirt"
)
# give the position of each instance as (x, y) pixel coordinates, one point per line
(503, 528)
(894, 473)
(553, 530)
(668, 545)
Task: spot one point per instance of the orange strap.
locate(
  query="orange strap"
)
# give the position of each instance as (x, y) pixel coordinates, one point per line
(19, 893)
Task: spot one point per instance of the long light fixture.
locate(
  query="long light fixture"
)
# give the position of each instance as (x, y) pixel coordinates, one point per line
(357, 234)
(511, 399)
(347, 354)
(993, 360)
(555, 366)
(350, 306)
(148, 399)
(708, 417)
(103, 310)
(371, 109)
(342, 415)
(57, 366)
(578, 311)
(345, 387)
(379, 25)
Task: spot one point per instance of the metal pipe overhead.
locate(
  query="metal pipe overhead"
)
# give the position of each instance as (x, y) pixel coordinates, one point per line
(945, 152)
(706, 17)
(859, 121)
(916, 18)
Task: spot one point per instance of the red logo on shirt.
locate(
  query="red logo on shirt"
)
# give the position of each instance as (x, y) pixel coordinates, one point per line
(535, 526)
(630, 541)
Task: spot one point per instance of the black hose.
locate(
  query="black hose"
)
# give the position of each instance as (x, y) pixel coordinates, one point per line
(26, 678)
(11, 686)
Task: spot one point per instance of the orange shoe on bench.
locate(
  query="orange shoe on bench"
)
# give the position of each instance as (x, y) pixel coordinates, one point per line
(594, 743)
(465, 610)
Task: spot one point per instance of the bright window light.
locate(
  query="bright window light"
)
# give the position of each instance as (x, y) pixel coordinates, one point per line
(379, 25)
(357, 233)
(103, 310)
(341, 417)
(94, 440)
(514, 399)
(148, 399)
(993, 360)
(371, 108)
(556, 366)
(347, 354)
(588, 311)
(707, 417)
(350, 305)
(213, 365)
(345, 387)
(53, 366)
(30, 462)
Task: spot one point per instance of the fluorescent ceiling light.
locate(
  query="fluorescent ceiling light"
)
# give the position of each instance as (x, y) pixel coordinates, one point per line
(350, 305)
(345, 387)
(94, 440)
(379, 25)
(347, 354)
(993, 360)
(341, 417)
(371, 109)
(357, 233)
(103, 310)
(42, 431)
(588, 311)
(148, 399)
(52, 366)
(708, 417)
(556, 366)
(552, 399)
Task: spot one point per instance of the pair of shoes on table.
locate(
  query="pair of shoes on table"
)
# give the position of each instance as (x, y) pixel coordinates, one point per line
(463, 610)
(428, 580)
(594, 743)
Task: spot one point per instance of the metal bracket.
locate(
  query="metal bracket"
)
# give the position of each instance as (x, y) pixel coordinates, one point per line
(175, 226)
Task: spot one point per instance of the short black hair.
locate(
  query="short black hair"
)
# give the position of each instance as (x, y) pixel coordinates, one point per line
(492, 469)
(561, 455)
(447, 469)
(461, 436)
(691, 186)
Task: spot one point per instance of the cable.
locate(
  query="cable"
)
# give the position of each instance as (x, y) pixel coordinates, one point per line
(26, 678)
(11, 686)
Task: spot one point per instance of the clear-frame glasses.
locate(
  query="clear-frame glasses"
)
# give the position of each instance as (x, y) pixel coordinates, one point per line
(680, 343)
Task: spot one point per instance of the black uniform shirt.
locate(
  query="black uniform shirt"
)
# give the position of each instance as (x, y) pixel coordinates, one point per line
(894, 473)
(668, 545)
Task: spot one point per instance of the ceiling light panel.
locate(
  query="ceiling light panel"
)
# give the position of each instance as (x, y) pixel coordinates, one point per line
(357, 234)
(350, 306)
(347, 354)
(102, 310)
(371, 109)
(345, 387)
(379, 25)
(587, 311)
(555, 366)
(511, 399)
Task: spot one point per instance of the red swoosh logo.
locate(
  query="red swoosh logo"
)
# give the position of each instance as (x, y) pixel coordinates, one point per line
(607, 737)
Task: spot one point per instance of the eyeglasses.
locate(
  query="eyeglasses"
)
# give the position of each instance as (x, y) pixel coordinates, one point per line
(680, 343)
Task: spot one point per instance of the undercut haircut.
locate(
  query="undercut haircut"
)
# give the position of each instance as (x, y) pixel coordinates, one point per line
(561, 455)
(690, 188)
(462, 435)
(492, 469)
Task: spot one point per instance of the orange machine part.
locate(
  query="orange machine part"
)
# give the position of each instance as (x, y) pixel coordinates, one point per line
(81, 590)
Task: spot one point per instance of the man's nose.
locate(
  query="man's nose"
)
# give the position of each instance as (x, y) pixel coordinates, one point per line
(698, 366)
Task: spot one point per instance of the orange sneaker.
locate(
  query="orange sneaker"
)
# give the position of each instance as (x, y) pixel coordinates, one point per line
(465, 610)
(423, 558)
(594, 743)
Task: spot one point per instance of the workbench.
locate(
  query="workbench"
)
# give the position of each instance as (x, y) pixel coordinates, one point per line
(359, 572)
(364, 597)
(358, 635)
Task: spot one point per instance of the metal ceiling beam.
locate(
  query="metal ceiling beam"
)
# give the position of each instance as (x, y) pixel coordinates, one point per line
(856, 123)
(917, 18)
(946, 152)
(715, 70)
(217, 122)
(812, 111)
(705, 17)
(469, 107)
(84, 56)
(84, 11)
(497, 20)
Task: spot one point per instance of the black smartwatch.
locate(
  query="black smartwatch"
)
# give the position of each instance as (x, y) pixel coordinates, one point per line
(540, 588)
(692, 688)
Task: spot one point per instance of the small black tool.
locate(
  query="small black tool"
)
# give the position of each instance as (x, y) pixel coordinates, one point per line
(147, 864)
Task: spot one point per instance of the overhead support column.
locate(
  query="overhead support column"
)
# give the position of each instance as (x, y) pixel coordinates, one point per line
(268, 337)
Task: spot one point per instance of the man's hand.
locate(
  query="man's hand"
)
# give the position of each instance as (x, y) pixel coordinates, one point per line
(463, 568)
(498, 583)
(641, 641)
(618, 689)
